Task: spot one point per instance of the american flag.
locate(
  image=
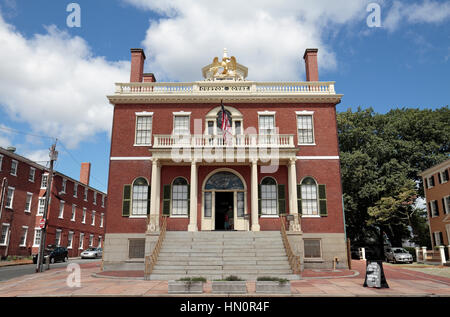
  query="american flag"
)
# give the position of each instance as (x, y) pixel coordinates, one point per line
(226, 126)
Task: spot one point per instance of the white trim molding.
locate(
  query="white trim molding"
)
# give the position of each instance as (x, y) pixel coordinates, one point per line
(304, 113)
(144, 113)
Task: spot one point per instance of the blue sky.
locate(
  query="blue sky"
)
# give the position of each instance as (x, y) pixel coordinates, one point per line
(54, 79)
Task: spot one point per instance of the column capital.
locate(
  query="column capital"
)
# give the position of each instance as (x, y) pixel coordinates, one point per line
(253, 161)
(292, 160)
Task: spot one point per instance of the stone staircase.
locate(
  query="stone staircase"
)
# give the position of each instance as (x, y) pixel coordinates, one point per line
(216, 255)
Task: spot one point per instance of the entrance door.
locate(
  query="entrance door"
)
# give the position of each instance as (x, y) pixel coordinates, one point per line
(224, 205)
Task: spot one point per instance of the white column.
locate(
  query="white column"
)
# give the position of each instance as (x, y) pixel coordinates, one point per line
(254, 206)
(292, 170)
(154, 210)
(424, 254)
(442, 252)
(193, 205)
(417, 254)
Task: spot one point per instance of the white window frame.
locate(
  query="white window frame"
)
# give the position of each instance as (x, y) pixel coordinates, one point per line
(442, 173)
(101, 219)
(437, 238)
(44, 176)
(75, 190)
(91, 240)
(429, 181)
(61, 209)
(24, 229)
(447, 205)
(6, 234)
(32, 173)
(95, 198)
(11, 201)
(81, 242)
(140, 115)
(93, 218)
(58, 235)
(303, 211)
(264, 213)
(99, 245)
(15, 169)
(433, 210)
(103, 201)
(29, 195)
(267, 113)
(310, 114)
(84, 215)
(182, 114)
(41, 199)
(85, 194)
(179, 215)
(74, 212)
(64, 186)
(70, 239)
(35, 235)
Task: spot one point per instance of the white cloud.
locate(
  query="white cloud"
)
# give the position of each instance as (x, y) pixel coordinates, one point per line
(269, 37)
(55, 84)
(406, 13)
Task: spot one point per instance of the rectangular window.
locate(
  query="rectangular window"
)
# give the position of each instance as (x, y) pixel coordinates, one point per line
(269, 200)
(240, 204)
(80, 245)
(32, 174)
(181, 125)
(143, 130)
(28, 202)
(99, 244)
(14, 164)
(91, 240)
(136, 248)
(312, 249)
(44, 181)
(180, 200)
(305, 129)
(266, 124)
(101, 220)
(4, 236)
(58, 237)
(69, 240)
(210, 130)
(103, 201)
(95, 198)
(444, 176)
(37, 237)
(85, 195)
(93, 218)
(309, 199)
(74, 210)
(75, 190)
(41, 206)
(10, 198)
(84, 216)
(61, 210)
(434, 208)
(23, 236)
(437, 238)
(208, 204)
(64, 184)
(431, 182)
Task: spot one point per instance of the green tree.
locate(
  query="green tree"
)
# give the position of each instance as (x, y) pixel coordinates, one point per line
(381, 157)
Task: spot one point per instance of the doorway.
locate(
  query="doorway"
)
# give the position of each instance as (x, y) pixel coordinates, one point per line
(224, 205)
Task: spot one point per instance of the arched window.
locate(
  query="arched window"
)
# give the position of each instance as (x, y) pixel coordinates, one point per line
(180, 198)
(309, 197)
(140, 198)
(269, 196)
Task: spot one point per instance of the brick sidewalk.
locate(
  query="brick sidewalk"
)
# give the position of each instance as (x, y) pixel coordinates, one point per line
(402, 282)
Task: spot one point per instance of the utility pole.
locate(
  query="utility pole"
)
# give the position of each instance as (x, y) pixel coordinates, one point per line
(53, 156)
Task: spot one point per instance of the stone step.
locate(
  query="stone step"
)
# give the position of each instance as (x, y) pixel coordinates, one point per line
(212, 277)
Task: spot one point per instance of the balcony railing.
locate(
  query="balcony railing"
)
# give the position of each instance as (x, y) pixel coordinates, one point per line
(227, 87)
(240, 141)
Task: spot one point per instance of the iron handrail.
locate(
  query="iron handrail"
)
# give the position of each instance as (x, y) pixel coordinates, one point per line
(294, 260)
(150, 260)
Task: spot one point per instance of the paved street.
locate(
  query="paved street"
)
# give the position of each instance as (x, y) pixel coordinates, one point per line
(9, 272)
(402, 282)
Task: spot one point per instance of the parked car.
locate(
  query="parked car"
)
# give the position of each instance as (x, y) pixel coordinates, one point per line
(55, 253)
(398, 255)
(92, 253)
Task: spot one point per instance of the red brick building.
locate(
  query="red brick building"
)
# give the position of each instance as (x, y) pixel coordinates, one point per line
(437, 193)
(76, 216)
(171, 157)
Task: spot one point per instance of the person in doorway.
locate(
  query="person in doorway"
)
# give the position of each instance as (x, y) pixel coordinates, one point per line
(226, 224)
(230, 218)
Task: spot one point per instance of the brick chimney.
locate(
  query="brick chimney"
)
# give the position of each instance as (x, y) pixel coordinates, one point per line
(85, 173)
(312, 69)
(137, 65)
(149, 78)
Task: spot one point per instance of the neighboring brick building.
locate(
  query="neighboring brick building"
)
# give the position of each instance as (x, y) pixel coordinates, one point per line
(437, 193)
(71, 214)
(169, 157)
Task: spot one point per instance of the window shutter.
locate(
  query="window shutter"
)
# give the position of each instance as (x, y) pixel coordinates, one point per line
(126, 201)
(432, 180)
(443, 206)
(446, 175)
(167, 189)
(439, 178)
(441, 238)
(429, 209)
(149, 195)
(434, 239)
(426, 182)
(323, 201)
(436, 205)
(299, 199)
(189, 199)
(259, 201)
(281, 199)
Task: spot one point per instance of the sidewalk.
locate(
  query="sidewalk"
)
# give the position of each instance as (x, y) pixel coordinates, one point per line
(402, 282)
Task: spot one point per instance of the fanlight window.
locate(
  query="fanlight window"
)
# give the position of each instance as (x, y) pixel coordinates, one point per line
(269, 196)
(224, 181)
(140, 197)
(180, 197)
